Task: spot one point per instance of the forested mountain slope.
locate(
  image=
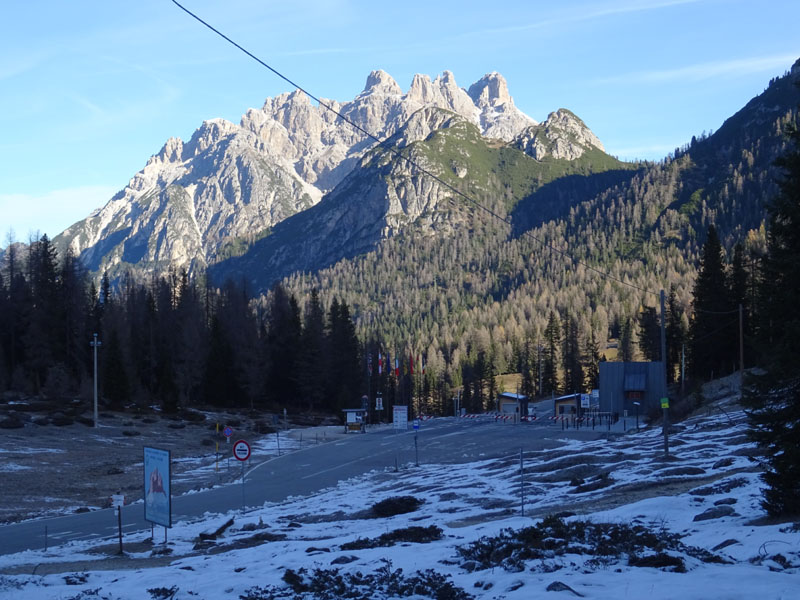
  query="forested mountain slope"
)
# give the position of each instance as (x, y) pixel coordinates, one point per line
(484, 287)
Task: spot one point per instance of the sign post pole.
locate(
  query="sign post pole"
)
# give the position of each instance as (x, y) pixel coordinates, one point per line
(118, 501)
(241, 452)
(665, 406)
(119, 523)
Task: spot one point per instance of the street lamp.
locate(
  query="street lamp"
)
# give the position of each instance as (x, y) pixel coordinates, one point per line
(94, 344)
(636, 404)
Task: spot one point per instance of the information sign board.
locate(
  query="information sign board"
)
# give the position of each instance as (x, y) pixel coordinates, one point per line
(665, 403)
(157, 484)
(400, 416)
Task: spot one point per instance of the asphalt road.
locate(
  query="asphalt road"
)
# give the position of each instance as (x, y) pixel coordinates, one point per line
(305, 472)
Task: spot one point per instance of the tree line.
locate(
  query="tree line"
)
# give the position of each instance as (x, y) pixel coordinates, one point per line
(172, 341)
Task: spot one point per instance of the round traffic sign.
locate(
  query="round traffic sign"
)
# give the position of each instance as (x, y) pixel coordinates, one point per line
(227, 432)
(241, 450)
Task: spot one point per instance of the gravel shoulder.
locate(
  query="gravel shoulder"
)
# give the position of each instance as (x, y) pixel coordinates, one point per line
(49, 469)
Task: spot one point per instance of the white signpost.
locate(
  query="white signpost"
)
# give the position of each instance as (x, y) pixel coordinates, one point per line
(400, 417)
(118, 501)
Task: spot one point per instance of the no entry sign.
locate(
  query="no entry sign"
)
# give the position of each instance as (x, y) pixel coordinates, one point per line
(241, 450)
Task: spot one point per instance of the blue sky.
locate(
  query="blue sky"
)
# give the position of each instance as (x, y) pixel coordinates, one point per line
(89, 89)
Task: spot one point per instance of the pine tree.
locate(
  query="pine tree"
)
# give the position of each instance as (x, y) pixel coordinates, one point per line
(312, 353)
(774, 398)
(573, 361)
(283, 350)
(712, 338)
(675, 335)
(593, 365)
(552, 341)
(650, 334)
(626, 353)
(220, 385)
(114, 379)
(527, 384)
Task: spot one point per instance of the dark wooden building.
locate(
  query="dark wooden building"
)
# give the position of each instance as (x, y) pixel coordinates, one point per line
(623, 383)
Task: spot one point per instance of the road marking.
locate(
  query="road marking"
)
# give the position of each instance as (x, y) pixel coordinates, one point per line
(337, 467)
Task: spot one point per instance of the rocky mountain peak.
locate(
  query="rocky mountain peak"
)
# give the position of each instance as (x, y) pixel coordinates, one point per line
(171, 151)
(380, 81)
(421, 89)
(490, 90)
(562, 135)
(230, 182)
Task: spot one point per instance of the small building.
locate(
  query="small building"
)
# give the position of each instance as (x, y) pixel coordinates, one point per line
(568, 405)
(624, 383)
(512, 404)
(354, 420)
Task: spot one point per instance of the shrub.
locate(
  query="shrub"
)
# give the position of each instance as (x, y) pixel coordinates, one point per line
(415, 534)
(396, 505)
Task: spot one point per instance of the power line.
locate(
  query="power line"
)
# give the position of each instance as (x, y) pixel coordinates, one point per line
(410, 161)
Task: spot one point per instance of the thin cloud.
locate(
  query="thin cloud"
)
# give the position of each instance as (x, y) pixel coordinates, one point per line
(589, 15)
(705, 71)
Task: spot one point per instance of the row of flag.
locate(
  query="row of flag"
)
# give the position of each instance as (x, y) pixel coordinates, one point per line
(385, 363)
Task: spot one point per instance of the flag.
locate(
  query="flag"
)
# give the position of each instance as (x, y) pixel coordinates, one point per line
(422, 363)
(396, 367)
(380, 363)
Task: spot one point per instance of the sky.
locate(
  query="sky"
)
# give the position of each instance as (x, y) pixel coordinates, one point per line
(90, 89)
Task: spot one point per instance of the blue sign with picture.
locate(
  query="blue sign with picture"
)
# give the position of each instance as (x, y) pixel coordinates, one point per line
(157, 495)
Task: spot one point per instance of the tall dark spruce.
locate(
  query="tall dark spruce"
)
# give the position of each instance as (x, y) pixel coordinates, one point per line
(773, 399)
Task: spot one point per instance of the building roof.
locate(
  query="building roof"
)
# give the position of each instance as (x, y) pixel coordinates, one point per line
(512, 396)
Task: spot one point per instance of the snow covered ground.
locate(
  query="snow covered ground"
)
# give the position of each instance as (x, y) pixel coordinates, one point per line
(328, 545)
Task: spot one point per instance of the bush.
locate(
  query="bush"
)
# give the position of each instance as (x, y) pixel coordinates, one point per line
(555, 537)
(396, 505)
(415, 534)
(329, 584)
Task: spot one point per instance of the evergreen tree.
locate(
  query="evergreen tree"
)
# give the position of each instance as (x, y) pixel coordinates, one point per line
(593, 365)
(573, 362)
(312, 353)
(220, 384)
(526, 359)
(114, 379)
(626, 353)
(345, 375)
(650, 334)
(552, 343)
(675, 336)
(774, 399)
(283, 350)
(712, 337)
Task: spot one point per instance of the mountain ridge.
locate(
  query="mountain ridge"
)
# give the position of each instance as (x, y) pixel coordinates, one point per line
(240, 180)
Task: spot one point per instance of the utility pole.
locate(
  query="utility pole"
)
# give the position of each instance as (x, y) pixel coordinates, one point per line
(94, 344)
(664, 374)
(683, 369)
(741, 349)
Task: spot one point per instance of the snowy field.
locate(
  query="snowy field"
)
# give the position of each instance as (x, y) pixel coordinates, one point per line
(628, 524)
